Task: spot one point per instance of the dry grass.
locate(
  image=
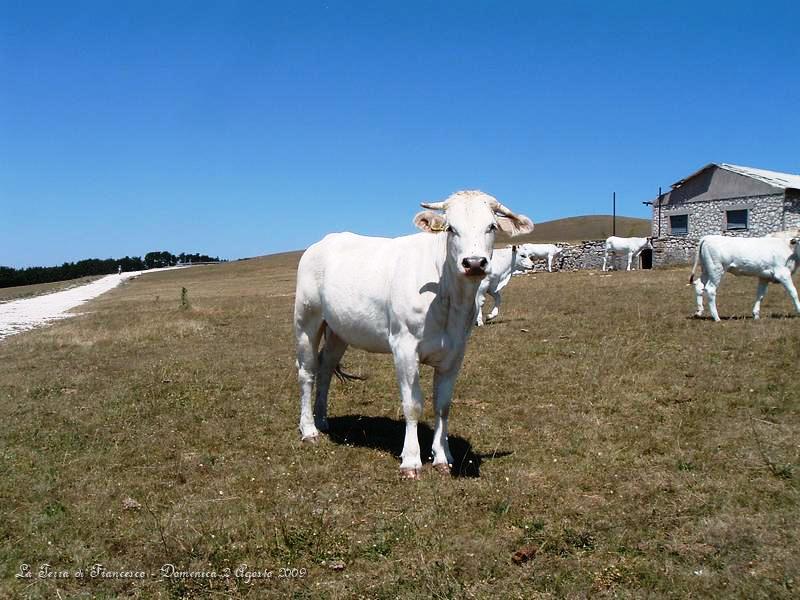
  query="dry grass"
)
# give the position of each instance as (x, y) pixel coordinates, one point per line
(637, 451)
(37, 289)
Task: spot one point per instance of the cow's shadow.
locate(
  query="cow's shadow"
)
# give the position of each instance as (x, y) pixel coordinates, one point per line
(774, 315)
(382, 433)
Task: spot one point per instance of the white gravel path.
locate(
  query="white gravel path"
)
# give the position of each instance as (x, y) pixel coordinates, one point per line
(21, 315)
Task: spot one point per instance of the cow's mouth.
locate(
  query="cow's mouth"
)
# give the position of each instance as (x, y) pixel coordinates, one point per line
(475, 272)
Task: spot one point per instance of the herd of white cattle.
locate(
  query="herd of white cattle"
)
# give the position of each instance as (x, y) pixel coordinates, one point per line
(418, 297)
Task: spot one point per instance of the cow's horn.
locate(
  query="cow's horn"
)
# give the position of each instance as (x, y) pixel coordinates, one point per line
(434, 205)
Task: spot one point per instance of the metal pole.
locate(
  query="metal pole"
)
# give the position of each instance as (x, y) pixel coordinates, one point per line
(659, 212)
(614, 214)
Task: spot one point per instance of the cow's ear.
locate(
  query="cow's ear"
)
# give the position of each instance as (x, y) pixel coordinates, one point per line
(514, 248)
(513, 226)
(430, 221)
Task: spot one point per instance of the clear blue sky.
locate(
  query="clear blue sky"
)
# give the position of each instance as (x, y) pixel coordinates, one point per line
(246, 128)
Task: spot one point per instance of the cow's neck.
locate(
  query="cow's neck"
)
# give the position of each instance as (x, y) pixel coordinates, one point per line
(458, 292)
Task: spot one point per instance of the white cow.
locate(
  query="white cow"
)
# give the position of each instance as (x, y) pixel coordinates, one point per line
(504, 262)
(768, 258)
(633, 247)
(413, 297)
(548, 251)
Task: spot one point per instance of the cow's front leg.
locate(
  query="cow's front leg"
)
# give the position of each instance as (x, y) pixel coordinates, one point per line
(549, 263)
(496, 308)
(406, 364)
(605, 259)
(443, 384)
(784, 277)
(480, 299)
(630, 258)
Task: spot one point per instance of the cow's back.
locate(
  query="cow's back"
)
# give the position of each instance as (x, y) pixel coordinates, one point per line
(748, 256)
(541, 250)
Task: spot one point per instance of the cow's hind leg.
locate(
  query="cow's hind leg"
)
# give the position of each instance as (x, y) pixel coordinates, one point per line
(699, 287)
(308, 331)
(332, 352)
(605, 258)
(711, 287)
(496, 309)
(406, 364)
(763, 284)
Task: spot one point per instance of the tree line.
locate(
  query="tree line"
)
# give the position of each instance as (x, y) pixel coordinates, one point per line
(10, 277)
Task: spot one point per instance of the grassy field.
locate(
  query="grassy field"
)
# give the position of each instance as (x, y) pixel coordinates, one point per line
(37, 289)
(624, 447)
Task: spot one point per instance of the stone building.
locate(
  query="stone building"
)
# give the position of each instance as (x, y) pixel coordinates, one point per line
(722, 199)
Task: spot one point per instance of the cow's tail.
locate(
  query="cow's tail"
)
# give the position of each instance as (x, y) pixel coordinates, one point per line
(696, 260)
(340, 373)
(344, 376)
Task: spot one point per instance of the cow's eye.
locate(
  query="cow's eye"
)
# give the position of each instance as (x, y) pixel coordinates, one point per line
(450, 229)
(492, 227)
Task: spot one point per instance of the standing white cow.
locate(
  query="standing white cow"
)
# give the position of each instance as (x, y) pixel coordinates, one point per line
(413, 297)
(504, 262)
(633, 247)
(548, 251)
(768, 258)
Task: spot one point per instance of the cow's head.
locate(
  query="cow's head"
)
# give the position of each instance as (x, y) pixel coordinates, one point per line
(523, 260)
(470, 219)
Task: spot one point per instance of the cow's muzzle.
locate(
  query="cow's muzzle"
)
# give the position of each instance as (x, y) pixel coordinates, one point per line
(475, 266)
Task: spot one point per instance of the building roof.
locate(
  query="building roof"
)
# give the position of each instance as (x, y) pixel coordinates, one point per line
(773, 178)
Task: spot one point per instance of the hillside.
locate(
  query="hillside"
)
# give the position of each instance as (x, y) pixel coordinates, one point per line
(590, 227)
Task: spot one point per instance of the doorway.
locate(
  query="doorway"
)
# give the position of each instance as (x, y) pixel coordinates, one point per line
(646, 259)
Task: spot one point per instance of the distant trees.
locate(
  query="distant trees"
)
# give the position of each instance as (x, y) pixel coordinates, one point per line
(155, 260)
(94, 266)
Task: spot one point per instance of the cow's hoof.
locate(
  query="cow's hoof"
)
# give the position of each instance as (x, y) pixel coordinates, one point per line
(311, 439)
(410, 473)
(442, 469)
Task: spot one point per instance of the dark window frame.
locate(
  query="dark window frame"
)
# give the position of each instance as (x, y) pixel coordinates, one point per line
(679, 231)
(737, 225)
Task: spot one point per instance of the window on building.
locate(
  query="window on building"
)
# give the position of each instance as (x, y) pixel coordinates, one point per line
(737, 219)
(679, 224)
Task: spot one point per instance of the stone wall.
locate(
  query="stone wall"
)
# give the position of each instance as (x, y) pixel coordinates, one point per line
(674, 250)
(668, 251)
(791, 206)
(765, 215)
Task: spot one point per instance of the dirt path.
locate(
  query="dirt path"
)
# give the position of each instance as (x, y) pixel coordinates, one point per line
(17, 316)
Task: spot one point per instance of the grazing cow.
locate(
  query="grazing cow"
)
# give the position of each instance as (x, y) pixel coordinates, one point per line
(633, 247)
(548, 251)
(412, 296)
(504, 262)
(768, 258)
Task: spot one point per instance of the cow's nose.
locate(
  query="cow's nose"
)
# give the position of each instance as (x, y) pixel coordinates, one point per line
(474, 264)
